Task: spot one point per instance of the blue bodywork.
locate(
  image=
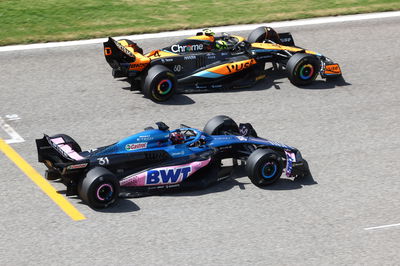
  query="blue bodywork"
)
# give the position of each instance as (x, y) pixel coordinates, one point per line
(155, 139)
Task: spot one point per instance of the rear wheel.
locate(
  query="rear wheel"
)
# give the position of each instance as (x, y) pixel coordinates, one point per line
(99, 188)
(221, 124)
(159, 83)
(303, 69)
(264, 167)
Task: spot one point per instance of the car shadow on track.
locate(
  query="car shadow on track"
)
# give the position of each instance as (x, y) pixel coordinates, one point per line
(121, 206)
(240, 173)
(271, 81)
(326, 84)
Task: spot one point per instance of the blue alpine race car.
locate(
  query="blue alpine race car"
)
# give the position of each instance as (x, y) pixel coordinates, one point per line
(158, 160)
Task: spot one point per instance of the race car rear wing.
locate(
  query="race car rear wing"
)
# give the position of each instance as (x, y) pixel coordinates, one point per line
(117, 53)
(55, 152)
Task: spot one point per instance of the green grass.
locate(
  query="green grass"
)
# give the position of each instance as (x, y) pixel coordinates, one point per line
(35, 21)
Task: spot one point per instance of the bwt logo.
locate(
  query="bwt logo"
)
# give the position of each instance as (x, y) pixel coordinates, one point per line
(168, 176)
(176, 48)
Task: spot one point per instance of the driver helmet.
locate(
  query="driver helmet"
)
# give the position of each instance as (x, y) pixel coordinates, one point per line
(221, 44)
(177, 137)
(208, 32)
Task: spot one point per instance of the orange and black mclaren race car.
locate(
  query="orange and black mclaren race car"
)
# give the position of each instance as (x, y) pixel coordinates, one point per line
(205, 62)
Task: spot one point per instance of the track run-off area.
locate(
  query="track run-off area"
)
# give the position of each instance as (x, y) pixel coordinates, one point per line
(345, 213)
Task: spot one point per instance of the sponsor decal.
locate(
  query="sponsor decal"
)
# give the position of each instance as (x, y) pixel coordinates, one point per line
(77, 166)
(123, 49)
(176, 48)
(168, 59)
(288, 39)
(290, 158)
(178, 153)
(200, 87)
(144, 138)
(241, 138)
(189, 57)
(225, 148)
(138, 66)
(264, 56)
(332, 69)
(107, 51)
(136, 146)
(216, 86)
(235, 67)
(168, 176)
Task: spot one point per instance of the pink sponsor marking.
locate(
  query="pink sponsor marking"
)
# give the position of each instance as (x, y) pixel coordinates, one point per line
(66, 148)
(152, 177)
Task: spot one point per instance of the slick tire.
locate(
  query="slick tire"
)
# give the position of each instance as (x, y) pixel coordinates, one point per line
(70, 141)
(264, 167)
(159, 83)
(302, 69)
(99, 188)
(262, 34)
(221, 125)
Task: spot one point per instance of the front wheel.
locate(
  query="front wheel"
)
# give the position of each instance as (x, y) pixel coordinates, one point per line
(303, 69)
(159, 84)
(264, 167)
(220, 125)
(99, 188)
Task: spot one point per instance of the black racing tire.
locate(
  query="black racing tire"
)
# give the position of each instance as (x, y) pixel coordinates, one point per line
(303, 69)
(70, 141)
(99, 188)
(264, 167)
(159, 83)
(219, 125)
(262, 34)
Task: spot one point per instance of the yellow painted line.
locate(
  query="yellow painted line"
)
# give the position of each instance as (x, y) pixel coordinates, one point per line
(41, 182)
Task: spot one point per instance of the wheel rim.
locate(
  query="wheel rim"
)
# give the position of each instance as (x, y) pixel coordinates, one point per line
(306, 71)
(164, 87)
(105, 192)
(269, 170)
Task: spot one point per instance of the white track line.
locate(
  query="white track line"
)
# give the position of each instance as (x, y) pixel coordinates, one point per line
(381, 227)
(293, 23)
(15, 137)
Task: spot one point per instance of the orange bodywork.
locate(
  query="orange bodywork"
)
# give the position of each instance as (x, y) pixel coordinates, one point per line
(203, 37)
(158, 54)
(230, 68)
(333, 69)
(272, 46)
(140, 63)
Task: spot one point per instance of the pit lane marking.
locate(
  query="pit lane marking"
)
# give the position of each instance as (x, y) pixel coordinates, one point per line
(15, 137)
(233, 28)
(381, 226)
(41, 182)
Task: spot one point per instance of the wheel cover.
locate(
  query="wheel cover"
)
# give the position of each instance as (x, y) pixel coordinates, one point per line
(269, 170)
(164, 86)
(306, 71)
(105, 192)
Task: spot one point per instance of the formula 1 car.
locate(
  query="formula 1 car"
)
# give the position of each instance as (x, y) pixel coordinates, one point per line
(159, 160)
(205, 62)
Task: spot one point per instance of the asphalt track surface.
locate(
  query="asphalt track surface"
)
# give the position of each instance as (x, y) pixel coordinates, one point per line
(347, 130)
